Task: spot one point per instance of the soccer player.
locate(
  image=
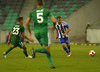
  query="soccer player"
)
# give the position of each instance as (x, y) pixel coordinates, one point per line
(62, 34)
(40, 17)
(15, 38)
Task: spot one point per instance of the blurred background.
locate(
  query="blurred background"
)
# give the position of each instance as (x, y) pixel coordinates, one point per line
(83, 17)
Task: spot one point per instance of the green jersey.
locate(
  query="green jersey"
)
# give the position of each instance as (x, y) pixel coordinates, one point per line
(17, 29)
(40, 17)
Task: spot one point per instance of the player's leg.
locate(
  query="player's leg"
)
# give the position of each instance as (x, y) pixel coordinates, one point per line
(46, 44)
(62, 42)
(21, 45)
(5, 53)
(40, 50)
(48, 54)
(25, 51)
(12, 47)
(43, 40)
(64, 47)
(46, 50)
(67, 43)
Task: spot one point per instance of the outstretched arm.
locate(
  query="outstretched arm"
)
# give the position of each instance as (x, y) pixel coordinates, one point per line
(54, 22)
(9, 38)
(27, 37)
(27, 25)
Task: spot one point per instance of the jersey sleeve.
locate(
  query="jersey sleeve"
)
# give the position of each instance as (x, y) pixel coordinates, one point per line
(30, 15)
(65, 25)
(50, 14)
(22, 29)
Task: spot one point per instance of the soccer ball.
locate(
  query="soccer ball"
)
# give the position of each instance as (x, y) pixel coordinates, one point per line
(92, 53)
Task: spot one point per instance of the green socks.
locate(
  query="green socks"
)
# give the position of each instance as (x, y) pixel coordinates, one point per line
(25, 52)
(8, 50)
(49, 58)
(41, 50)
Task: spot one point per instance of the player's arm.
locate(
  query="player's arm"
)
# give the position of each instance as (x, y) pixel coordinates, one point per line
(27, 37)
(54, 22)
(27, 25)
(56, 34)
(9, 38)
(68, 29)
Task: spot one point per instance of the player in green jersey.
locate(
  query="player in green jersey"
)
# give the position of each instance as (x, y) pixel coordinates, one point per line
(40, 17)
(15, 38)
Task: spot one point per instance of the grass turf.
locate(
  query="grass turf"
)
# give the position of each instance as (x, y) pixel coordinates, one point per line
(80, 61)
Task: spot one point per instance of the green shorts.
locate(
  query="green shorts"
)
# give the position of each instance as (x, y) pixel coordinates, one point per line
(42, 37)
(18, 43)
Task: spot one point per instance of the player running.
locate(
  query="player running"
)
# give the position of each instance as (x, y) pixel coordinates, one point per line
(62, 34)
(15, 38)
(40, 17)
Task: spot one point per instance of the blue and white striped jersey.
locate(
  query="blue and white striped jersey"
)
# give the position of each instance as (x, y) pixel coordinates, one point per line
(61, 29)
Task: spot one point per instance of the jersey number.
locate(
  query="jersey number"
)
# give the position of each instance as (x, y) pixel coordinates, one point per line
(16, 31)
(40, 17)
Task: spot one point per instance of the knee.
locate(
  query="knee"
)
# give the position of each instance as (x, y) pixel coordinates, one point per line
(13, 46)
(24, 48)
(48, 48)
(63, 45)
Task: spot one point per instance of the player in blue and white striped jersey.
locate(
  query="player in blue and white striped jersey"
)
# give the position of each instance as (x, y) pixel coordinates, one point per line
(62, 30)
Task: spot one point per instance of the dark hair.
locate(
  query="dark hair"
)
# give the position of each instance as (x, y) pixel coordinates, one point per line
(58, 17)
(19, 19)
(40, 2)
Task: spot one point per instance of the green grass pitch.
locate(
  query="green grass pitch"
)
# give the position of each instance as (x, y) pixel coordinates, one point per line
(80, 61)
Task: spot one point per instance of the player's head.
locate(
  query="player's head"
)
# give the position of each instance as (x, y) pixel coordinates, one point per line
(20, 20)
(59, 19)
(39, 3)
